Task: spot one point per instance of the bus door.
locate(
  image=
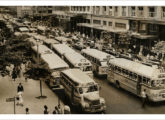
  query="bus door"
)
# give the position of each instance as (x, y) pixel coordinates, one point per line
(75, 97)
(139, 80)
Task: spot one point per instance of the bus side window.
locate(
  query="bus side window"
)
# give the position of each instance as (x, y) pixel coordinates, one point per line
(135, 76)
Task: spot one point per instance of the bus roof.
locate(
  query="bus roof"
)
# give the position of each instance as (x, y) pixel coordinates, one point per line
(61, 38)
(102, 56)
(42, 49)
(76, 58)
(78, 76)
(132, 66)
(54, 61)
(62, 48)
(51, 41)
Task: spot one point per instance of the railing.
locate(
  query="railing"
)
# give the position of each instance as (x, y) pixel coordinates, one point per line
(140, 14)
(116, 14)
(123, 13)
(132, 13)
(163, 15)
(152, 14)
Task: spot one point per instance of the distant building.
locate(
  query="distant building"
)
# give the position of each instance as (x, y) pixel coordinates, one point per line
(23, 11)
(146, 24)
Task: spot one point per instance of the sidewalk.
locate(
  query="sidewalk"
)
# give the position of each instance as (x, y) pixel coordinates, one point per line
(8, 89)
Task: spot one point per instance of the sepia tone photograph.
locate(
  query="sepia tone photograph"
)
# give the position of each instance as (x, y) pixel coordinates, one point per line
(82, 60)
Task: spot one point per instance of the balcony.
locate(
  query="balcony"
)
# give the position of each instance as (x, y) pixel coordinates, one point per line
(163, 15)
(123, 13)
(116, 14)
(110, 13)
(152, 14)
(140, 14)
(132, 13)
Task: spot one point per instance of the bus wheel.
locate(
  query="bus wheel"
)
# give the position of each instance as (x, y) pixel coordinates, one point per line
(117, 84)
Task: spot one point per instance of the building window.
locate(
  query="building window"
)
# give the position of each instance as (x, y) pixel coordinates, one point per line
(140, 11)
(120, 25)
(84, 9)
(104, 8)
(124, 11)
(110, 23)
(142, 26)
(96, 22)
(153, 27)
(110, 10)
(49, 11)
(116, 9)
(88, 8)
(163, 12)
(152, 12)
(104, 23)
(133, 11)
(97, 10)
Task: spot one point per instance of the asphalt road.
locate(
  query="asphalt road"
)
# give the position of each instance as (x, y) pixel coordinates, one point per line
(119, 101)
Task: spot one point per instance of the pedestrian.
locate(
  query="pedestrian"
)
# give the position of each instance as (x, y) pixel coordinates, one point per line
(20, 99)
(66, 109)
(14, 74)
(59, 109)
(20, 88)
(143, 95)
(55, 110)
(27, 110)
(46, 109)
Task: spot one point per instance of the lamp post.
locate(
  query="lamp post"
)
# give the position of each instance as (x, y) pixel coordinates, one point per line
(38, 61)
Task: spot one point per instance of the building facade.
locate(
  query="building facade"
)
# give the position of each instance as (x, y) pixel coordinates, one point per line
(144, 23)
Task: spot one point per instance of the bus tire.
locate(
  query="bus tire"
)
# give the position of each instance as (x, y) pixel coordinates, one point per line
(117, 84)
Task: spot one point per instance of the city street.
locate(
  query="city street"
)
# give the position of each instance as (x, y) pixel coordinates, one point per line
(8, 89)
(31, 41)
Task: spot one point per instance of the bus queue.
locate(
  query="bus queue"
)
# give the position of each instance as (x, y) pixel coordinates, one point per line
(127, 74)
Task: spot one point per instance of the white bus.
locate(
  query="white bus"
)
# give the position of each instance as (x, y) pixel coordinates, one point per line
(98, 59)
(62, 49)
(74, 59)
(135, 77)
(53, 61)
(82, 91)
(50, 42)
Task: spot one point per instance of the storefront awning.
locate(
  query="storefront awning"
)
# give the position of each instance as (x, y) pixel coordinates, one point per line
(140, 36)
(101, 27)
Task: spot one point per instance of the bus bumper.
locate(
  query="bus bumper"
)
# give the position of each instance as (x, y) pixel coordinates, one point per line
(95, 110)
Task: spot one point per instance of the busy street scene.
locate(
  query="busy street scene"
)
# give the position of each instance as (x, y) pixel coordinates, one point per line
(82, 60)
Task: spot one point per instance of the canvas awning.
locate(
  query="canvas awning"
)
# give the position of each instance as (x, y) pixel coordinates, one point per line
(101, 27)
(141, 36)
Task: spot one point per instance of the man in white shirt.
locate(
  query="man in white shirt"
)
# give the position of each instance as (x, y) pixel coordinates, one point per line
(143, 95)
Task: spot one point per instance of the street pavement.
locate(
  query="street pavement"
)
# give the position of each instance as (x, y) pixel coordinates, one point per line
(8, 89)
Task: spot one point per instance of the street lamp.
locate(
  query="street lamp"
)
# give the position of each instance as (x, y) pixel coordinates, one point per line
(38, 61)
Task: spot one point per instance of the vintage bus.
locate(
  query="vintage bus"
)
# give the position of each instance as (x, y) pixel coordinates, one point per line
(98, 59)
(49, 42)
(135, 77)
(82, 91)
(76, 60)
(53, 62)
(62, 49)
(73, 58)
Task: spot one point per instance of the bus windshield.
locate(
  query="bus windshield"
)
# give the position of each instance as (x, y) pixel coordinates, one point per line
(103, 63)
(157, 84)
(91, 88)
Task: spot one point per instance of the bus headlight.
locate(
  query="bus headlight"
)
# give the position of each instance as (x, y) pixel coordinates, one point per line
(102, 101)
(86, 105)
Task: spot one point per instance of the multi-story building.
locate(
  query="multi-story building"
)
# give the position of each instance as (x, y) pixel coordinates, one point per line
(23, 11)
(144, 23)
